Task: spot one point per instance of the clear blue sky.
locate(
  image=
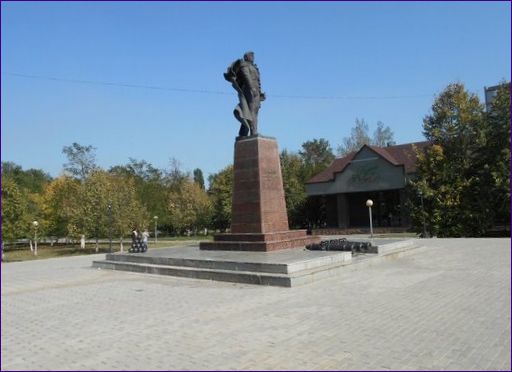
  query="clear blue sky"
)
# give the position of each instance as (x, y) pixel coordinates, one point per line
(359, 53)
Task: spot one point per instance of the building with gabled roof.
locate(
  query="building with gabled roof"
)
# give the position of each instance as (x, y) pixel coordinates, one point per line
(372, 172)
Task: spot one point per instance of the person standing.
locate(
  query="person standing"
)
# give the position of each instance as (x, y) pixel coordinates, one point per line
(145, 237)
(133, 248)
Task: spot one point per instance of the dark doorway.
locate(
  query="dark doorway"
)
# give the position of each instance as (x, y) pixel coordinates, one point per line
(385, 210)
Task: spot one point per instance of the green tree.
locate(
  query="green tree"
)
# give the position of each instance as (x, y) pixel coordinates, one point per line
(221, 193)
(59, 200)
(127, 211)
(81, 160)
(198, 177)
(92, 217)
(175, 176)
(189, 207)
(359, 136)
(29, 184)
(447, 177)
(31, 180)
(492, 161)
(382, 136)
(293, 171)
(15, 215)
(316, 155)
(150, 186)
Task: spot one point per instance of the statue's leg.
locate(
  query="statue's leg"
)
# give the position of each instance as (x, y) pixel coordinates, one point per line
(244, 127)
(254, 106)
(254, 127)
(244, 131)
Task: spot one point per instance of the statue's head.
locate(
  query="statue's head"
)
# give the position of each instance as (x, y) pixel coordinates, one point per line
(249, 56)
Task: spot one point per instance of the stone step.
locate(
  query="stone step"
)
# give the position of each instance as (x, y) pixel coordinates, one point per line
(286, 268)
(366, 260)
(240, 265)
(233, 276)
(385, 249)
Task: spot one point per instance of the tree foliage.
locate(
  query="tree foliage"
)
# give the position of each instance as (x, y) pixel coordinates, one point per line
(463, 176)
(175, 176)
(316, 155)
(31, 180)
(92, 216)
(81, 160)
(199, 178)
(127, 212)
(27, 185)
(359, 136)
(494, 157)
(59, 200)
(150, 186)
(189, 207)
(15, 215)
(293, 168)
(383, 135)
(221, 194)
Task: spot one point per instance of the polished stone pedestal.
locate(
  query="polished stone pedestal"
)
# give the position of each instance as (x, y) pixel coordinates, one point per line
(259, 221)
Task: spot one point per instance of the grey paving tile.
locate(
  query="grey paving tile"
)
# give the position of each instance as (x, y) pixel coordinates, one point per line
(446, 307)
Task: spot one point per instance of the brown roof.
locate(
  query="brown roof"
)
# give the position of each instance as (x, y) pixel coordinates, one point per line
(336, 166)
(397, 155)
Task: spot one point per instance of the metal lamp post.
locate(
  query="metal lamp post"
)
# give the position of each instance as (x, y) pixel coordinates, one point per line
(35, 224)
(423, 214)
(369, 204)
(109, 207)
(156, 223)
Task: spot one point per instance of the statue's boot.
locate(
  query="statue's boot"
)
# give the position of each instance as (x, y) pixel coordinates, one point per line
(245, 127)
(254, 127)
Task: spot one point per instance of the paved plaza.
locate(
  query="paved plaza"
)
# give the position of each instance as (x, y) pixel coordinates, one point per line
(445, 306)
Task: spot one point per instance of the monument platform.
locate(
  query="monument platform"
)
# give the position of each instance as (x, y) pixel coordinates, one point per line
(280, 268)
(285, 268)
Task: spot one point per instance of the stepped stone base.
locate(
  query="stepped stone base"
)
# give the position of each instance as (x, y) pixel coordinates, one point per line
(260, 242)
(285, 268)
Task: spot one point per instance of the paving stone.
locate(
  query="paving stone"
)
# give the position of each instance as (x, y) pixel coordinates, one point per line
(444, 307)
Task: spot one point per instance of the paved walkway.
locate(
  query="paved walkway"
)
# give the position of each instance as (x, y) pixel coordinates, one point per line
(444, 307)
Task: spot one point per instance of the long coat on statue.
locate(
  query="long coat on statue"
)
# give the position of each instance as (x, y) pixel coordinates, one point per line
(245, 78)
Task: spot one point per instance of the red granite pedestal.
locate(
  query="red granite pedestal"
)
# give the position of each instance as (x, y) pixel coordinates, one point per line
(259, 221)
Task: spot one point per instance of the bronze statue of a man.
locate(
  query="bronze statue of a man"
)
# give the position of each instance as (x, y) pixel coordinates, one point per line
(245, 78)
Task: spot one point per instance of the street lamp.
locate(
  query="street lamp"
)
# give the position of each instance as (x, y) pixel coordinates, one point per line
(109, 207)
(369, 204)
(35, 224)
(423, 214)
(156, 223)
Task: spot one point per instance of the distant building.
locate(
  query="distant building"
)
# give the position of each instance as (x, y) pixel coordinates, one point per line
(490, 94)
(377, 173)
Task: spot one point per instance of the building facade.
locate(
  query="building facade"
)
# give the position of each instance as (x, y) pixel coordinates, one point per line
(377, 173)
(490, 94)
